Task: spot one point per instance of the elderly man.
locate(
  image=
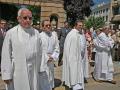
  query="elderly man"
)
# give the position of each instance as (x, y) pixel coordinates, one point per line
(72, 59)
(21, 55)
(50, 49)
(103, 62)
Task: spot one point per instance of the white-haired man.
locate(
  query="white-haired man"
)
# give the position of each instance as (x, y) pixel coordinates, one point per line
(21, 55)
(103, 61)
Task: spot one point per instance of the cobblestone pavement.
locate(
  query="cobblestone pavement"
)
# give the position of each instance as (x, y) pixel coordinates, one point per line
(91, 85)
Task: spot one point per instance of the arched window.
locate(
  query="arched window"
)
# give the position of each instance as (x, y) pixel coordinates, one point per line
(54, 20)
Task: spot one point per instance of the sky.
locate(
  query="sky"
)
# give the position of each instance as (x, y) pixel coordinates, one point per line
(100, 1)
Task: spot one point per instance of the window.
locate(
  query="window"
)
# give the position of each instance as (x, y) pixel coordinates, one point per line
(106, 10)
(106, 18)
(116, 10)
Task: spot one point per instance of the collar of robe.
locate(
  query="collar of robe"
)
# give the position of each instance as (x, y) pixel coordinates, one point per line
(80, 32)
(29, 30)
(49, 33)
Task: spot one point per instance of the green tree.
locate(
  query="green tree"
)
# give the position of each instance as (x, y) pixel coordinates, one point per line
(94, 22)
(8, 12)
(77, 9)
(36, 13)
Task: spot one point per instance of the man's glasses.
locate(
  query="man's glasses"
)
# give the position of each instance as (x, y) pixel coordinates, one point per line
(2, 23)
(25, 18)
(48, 25)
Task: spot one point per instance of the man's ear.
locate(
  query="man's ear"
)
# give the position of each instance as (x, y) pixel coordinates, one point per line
(18, 18)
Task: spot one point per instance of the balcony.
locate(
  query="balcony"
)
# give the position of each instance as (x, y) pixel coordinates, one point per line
(115, 3)
(116, 18)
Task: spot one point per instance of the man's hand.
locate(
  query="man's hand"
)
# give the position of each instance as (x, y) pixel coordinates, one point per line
(8, 81)
(49, 61)
(50, 58)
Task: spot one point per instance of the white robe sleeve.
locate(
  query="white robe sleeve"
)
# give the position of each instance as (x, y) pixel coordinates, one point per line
(104, 40)
(100, 46)
(56, 52)
(6, 62)
(44, 56)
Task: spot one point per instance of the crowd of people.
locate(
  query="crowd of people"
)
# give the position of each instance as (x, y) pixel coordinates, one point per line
(28, 56)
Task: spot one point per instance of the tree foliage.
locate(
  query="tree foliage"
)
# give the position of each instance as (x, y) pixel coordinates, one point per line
(36, 13)
(8, 12)
(94, 22)
(77, 9)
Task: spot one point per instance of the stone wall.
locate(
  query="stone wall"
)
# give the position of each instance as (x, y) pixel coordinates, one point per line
(48, 8)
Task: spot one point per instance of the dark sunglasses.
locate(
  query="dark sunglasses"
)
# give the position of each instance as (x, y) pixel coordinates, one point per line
(25, 18)
(2, 23)
(48, 25)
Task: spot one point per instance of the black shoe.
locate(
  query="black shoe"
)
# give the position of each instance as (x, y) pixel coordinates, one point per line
(60, 63)
(93, 76)
(112, 82)
(85, 80)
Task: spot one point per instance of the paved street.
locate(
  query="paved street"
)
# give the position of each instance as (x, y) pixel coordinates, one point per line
(91, 85)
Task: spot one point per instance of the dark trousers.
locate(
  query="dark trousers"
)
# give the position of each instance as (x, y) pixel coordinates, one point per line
(60, 59)
(0, 63)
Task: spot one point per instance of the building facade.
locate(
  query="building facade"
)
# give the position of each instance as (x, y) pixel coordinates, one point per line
(102, 10)
(115, 7)
(110, 12)
(49, 9)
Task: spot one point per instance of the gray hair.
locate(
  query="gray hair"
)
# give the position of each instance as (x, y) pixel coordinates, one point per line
(22, 9)
(43, 22)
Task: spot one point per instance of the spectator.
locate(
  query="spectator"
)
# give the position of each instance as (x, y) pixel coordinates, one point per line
(62, 35)
(3, 26)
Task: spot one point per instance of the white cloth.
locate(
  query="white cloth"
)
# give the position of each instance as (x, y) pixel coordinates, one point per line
(72, 63)
(21, 58)
(84, 55)
(44, 82)
(77, 87)
(103, 61)
(82, 44)
(50, 45)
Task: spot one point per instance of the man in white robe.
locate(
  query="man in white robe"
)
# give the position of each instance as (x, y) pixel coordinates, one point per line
(21, 55)
(103, 62)
(72, 73)
(50, 53)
